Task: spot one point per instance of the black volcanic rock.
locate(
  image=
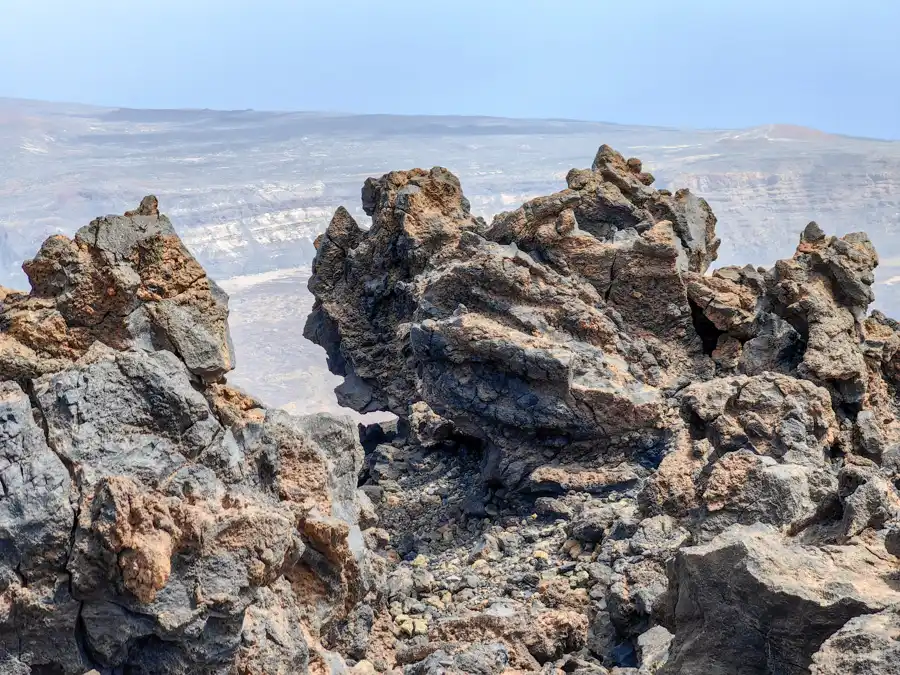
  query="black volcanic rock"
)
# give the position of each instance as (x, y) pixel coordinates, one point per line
(701, 421)
(606, 455)
(154, 519)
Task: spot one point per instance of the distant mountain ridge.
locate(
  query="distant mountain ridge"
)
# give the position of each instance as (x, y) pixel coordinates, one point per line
(118, 113)
(252, 189)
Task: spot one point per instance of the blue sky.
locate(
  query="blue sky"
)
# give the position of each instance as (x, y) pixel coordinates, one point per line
(829, 64)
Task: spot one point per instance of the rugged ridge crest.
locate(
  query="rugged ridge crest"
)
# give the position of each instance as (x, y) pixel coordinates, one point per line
(608, 460)
(677, 434)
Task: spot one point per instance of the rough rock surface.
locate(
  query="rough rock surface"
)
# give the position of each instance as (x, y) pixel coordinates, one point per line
(607, 459)
(751, 602)
(125, 281)
(154, 519)
(865, 645)
(702, 465)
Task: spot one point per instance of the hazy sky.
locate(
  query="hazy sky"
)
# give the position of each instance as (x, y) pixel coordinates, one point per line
(829, 64)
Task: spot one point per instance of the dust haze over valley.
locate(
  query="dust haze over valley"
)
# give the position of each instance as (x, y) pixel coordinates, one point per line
(250, 191)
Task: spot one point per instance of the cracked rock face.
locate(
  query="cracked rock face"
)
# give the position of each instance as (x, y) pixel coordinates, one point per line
(558, 334)
(705, 462)
(125, 281)
(750, 601)
(867, 644)
(154, 519)
(553, 331)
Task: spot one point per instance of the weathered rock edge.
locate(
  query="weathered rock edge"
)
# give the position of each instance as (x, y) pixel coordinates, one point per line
(154, 519)
(581, 343)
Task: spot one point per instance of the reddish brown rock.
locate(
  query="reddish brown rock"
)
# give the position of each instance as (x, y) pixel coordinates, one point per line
(158, 520)
(124, 281)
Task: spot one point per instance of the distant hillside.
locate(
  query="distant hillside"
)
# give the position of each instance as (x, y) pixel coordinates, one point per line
(250, 190)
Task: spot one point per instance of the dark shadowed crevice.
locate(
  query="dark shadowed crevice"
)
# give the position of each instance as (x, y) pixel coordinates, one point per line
(847, 409)
(798, 321)
(793, 354)
(650, 458)
(696, 426)
(493, 484)
(835, 453)
(706, 329)
(47, 669)
(87, 655)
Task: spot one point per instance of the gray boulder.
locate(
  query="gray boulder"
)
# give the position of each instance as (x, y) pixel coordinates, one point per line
(653, 648)
(476, 659)
(751, 576)
(865, 645)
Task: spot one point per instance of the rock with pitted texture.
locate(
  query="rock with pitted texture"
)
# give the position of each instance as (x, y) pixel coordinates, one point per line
(528, 334)
(529, 638)
(479, 659)
(37, 515)
(865, 645)
(741, 422)
(153, 518)
(608, 459)
(123, 281)
(751, 601)
(557, 334)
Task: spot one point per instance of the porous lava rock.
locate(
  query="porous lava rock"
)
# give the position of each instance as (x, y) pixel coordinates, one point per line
(153, 518)
(704, 462)
(608, 458)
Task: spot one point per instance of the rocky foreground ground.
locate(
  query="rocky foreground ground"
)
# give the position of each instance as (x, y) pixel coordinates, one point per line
(606, 459)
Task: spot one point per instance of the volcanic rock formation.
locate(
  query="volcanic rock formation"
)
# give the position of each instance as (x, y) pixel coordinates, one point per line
(704, 465)
(153, 519)
(608, 460)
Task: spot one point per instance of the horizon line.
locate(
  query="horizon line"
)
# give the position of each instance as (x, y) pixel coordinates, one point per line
(339, 113)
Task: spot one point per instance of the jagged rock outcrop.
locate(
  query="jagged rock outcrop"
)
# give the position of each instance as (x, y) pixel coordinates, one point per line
(559, 333)
(125, 281)
(153, 518)
(687, 431)
(492, 327)
(607, 458)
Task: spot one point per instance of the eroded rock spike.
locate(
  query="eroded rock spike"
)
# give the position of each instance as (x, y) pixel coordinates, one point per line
(153, 518)
(149, 206)
(125, 281)
(606, 456)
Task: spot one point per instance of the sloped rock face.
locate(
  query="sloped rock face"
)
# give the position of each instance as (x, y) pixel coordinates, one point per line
(153, 518)
(607, 456)
(125, 281)
(752, 602)
(653, 440)
(561, 332)
(491, 327)
(866, 644)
